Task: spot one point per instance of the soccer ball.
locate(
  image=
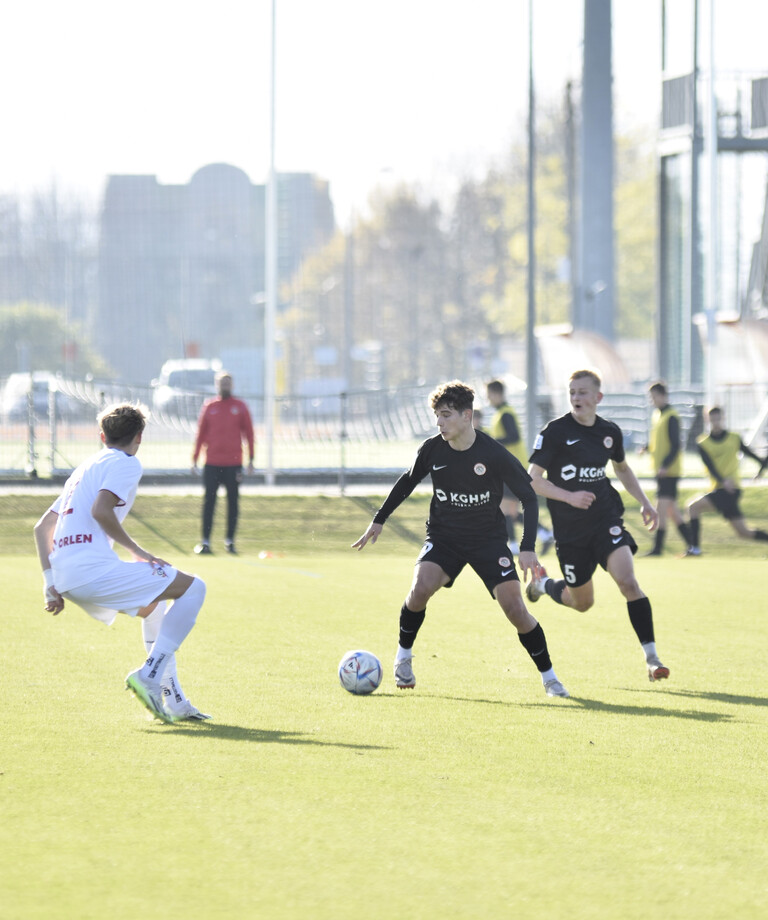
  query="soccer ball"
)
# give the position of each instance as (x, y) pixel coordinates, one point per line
(360, 672)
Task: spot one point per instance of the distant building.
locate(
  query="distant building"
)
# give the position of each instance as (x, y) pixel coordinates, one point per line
(181, 267)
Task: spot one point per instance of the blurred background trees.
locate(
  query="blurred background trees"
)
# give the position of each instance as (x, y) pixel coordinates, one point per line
(412, 290)
(423, 290)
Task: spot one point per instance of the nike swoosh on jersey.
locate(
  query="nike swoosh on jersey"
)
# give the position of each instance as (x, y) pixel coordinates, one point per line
(617, 540)
(575, 441)
(508, 572)
(439, 467)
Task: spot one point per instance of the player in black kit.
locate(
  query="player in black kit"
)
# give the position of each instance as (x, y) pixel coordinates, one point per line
(466, 527)
(586, 510)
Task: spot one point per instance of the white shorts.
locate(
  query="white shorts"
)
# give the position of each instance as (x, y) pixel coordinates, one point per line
(126, 589)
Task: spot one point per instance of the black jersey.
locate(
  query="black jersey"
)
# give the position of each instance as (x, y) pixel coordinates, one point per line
(468, 486)
(575, 457)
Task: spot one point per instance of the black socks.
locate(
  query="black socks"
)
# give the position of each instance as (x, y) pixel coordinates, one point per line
(641, 618)
(410, 624)
(535, 643)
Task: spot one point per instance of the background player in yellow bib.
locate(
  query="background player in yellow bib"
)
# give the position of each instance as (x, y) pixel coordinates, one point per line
(720, 451)
(664, 448)
(505, 428)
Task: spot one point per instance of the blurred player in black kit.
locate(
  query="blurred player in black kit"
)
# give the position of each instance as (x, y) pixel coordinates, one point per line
(466, 527)
(568, 468)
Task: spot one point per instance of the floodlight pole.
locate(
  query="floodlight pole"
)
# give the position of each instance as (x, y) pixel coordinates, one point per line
(714, 242)
(270, 277)
(530, 338)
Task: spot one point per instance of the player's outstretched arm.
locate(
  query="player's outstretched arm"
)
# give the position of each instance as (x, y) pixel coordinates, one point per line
(54, 602)
(372, 535)
(103, 512)
(626, 476)
(397, 495)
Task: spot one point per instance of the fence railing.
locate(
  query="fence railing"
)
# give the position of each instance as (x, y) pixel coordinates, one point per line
(336, 437)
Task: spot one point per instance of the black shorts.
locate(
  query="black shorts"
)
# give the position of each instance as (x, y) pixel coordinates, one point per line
(579, 560)
(492, 561)
(666, 486)
(727, 503)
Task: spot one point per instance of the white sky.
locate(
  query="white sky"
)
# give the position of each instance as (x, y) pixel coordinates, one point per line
(420, 90)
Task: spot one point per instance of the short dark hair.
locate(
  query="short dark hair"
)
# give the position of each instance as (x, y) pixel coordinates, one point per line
(455, 395)
(658, 387)
(495, 386)
(121, 423)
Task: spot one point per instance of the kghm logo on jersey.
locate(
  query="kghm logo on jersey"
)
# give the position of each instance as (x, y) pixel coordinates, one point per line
(480, 469)
(584, 473)
(463, 499)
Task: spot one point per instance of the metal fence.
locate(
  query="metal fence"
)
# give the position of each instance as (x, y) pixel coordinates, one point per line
(333, 437)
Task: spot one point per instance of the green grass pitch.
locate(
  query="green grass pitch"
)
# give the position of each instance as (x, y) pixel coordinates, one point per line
(473, 796)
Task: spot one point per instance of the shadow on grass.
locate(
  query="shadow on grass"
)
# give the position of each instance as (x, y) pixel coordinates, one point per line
(255, 735)
(720, 697)
(665, 712)
(602, 706)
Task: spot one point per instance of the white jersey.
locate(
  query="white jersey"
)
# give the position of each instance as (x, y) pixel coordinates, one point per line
(82, 552)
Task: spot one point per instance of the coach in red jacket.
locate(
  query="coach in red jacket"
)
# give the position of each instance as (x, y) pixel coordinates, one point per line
(224, 424)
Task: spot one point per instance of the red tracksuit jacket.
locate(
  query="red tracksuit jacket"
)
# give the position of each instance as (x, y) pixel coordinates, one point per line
(222, 427)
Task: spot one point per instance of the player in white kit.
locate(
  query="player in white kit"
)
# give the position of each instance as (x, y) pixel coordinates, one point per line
(74, 541)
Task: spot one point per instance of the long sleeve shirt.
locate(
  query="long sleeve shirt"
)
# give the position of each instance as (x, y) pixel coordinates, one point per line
(467, 487)
(222, 427)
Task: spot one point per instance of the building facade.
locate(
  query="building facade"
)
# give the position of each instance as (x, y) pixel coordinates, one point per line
(181, 267)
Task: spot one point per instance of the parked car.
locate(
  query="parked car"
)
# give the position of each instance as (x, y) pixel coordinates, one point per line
(183, 385)
(14, 398)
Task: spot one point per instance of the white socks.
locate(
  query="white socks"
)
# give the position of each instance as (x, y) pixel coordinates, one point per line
(164, 631)
(403, 653)
(180, 618)
(650, 650)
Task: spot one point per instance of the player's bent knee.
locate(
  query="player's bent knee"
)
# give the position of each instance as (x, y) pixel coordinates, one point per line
(630, 589)
(182, 584)
(520, 617)
(419, 596)
(582, 604)
(196, 590)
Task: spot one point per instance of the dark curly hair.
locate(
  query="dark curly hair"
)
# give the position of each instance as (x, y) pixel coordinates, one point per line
(455, 395)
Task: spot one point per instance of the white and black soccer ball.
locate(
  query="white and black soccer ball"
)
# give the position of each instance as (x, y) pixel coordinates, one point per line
(360, 672)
